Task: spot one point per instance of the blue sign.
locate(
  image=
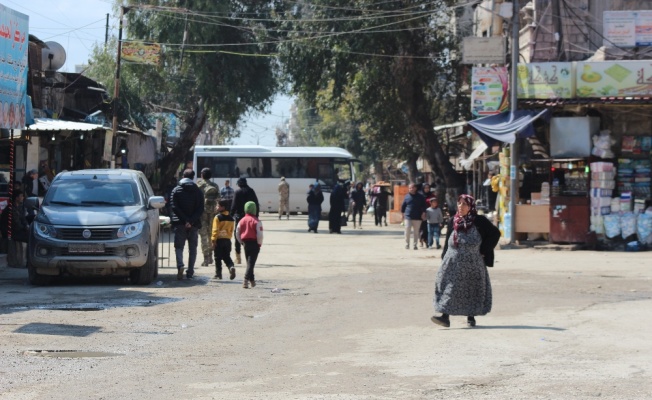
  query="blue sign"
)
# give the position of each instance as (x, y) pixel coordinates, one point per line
(14, 44)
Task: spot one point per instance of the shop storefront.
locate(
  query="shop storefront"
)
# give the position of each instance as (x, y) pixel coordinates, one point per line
(596, 186)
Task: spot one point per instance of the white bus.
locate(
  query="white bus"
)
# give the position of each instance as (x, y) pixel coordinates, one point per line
(264, 166)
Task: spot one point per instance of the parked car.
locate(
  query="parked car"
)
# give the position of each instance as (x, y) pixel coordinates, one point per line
(95, 222)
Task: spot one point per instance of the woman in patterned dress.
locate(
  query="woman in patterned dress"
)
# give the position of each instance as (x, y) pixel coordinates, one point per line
(462, 286)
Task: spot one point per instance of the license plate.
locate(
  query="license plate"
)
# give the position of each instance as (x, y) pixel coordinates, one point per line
(86, 248)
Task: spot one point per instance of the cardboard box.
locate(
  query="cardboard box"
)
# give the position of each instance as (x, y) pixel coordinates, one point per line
(532, 218)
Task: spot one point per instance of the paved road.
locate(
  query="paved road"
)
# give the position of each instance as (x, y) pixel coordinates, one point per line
(350, 321)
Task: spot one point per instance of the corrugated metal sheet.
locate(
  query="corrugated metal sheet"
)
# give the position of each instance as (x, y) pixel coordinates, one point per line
(49, 124)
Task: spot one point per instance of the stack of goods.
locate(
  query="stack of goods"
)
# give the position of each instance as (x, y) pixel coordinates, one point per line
(602, 185)
(641, 185)
(634, 176)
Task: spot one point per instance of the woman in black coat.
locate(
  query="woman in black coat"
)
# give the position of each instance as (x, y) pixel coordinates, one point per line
(463, 286)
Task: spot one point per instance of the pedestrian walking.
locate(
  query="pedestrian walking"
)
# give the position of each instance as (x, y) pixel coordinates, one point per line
(30, 183)
(338, 195)
(250, 234)
(381, 197)
(227, 193)
(462, 286)
(211, 196)
(13, 222)
(423, 229)
(434, 219)
(187, 204)
(222, 232)
(359, 202)
(283, 198)
(413, 210)
(241, 196)
(314, 199)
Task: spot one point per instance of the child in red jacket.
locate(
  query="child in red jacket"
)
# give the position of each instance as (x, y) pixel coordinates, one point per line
(250, 234)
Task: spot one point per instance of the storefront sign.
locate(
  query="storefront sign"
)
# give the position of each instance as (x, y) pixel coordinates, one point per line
(489, 91)
(483, 50)
(545, 80)
(614, 78)
(627, 28)
(141, 53)
(14, 42)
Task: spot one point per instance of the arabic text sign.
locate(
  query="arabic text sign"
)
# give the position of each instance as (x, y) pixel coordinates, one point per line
(489, 91)
(14, 43)
(614, 78)
(627, 28)
(141, 53)
(483, 50)
(545, 80)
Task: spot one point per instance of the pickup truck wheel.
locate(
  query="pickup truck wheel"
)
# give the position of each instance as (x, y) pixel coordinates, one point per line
(146, 274)
(35, 278)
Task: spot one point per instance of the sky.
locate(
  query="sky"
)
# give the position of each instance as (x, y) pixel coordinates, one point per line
(77, 25)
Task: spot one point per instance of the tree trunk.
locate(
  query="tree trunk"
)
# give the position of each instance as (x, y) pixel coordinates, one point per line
(435, 154)
(170, 163)
(379, 171)
(413, 171)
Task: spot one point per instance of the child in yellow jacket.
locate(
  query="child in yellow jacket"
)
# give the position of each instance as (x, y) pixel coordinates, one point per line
(223, 226)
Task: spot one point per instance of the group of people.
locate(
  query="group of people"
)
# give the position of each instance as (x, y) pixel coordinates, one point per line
(202, 209)
(16, 218)
(422, 217)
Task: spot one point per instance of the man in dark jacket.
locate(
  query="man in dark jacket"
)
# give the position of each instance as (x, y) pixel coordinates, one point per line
(187, 205)
(359, 201)
(28, 183)
(414, 211)
(241, 196)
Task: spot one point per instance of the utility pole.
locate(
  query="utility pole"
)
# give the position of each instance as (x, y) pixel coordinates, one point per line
(116, 86)
(513, 149)
(106, 31)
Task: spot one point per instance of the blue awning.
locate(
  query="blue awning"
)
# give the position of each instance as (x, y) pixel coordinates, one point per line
(505, 126)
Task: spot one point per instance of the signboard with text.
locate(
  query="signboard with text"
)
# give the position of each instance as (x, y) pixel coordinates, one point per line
(545, 80)
(627, 28)
(614, 78)
(489, 91)
(483, 50)
(14, 43)
(141, 53)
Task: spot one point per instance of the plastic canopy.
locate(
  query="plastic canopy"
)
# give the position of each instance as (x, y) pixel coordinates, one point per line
(505, 126)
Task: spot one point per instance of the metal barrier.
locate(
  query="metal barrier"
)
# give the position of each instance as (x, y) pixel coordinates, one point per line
(165, 242)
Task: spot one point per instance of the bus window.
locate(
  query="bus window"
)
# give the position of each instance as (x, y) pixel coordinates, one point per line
(325, 173)
(220, 167)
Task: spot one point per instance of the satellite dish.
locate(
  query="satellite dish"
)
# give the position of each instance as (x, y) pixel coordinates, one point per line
(54, 56)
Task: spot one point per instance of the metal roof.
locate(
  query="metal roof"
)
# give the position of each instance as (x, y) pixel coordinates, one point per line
(49, 124)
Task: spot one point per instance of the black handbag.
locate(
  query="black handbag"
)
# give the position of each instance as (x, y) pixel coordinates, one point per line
(343, 220)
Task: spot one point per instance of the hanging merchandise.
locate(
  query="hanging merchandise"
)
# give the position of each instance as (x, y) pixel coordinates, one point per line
(602, 144)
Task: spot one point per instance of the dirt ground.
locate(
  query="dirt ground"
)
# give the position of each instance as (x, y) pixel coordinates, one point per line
(335, 317)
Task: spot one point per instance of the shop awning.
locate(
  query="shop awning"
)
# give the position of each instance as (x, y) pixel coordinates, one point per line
(49, 124)
(505, 126)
